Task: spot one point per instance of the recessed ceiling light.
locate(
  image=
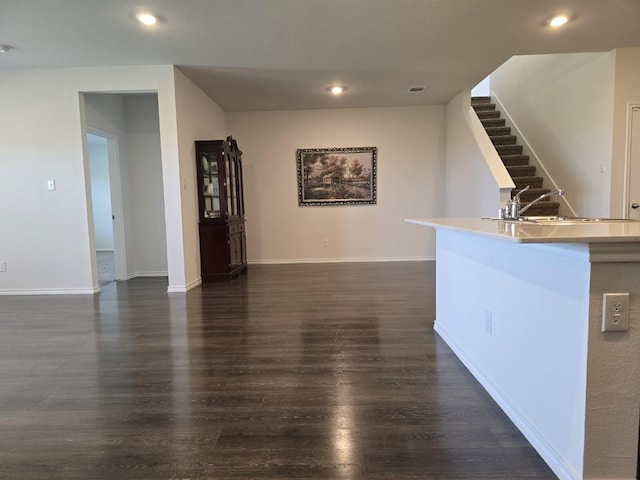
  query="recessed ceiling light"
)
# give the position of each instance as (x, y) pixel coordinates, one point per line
(337, 90)
(5, 48)
(558, 21)
(147, 18)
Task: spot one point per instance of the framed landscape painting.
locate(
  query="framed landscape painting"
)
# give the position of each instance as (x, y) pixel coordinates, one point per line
(336, 176)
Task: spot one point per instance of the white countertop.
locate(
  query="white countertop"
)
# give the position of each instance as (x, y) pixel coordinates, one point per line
(522, 232)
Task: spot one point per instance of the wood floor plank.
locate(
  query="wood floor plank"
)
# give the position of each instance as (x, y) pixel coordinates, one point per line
(321, 371)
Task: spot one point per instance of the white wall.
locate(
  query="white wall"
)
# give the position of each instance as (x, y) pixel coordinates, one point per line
(627, 91)
(411, 152)
(144, 200)
(563, 105)
(101, 194)
(42, 138)
(105, 112)
(477, 182)
(198, 118)
(482, 89)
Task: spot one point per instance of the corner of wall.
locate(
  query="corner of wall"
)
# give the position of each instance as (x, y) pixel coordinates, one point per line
(198, 117)
(475, 177)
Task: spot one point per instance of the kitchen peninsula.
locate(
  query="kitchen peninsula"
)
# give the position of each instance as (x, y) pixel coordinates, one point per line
(521, 305)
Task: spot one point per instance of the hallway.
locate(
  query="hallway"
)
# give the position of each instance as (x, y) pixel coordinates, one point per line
(318, 371)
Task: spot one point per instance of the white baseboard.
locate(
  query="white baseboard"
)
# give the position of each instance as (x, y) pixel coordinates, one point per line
(52, 291)
(147, 274)
(554, 460)
(338, 260)
(184, 288)
(195, 283)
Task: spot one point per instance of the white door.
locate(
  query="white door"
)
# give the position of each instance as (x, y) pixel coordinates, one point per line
(633, 198)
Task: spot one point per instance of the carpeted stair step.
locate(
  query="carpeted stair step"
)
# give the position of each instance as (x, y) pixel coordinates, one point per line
(515, 161)
(531, 194)
(503, 139)
(492, 122)
(496, 131)
(533, 182)
(509, 149)
(546, 209)
(522, 170)
(480, 99)
(512, 160)
(484, 114)
(481, 107)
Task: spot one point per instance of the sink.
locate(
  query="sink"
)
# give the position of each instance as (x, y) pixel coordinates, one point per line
(512, 220)
(574, 220)
(562, 220)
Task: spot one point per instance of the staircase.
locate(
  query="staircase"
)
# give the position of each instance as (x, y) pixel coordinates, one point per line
(517, 164)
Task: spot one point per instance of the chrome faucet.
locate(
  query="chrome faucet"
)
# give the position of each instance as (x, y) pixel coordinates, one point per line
(540, 198)
(511, 209)
(516, 203)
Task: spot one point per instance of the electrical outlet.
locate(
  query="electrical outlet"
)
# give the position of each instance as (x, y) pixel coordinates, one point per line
(3, 266)
(325, 243)
(615, 312)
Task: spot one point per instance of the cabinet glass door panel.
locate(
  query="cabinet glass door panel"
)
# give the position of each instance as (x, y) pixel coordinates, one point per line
(228, 185)
(210, 185)
(234, 186)
(238, 187)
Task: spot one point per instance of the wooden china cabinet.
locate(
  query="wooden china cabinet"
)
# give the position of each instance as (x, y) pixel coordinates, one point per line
(223, 252)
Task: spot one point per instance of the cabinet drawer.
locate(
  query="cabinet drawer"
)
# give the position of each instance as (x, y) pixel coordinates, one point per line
(236, 228)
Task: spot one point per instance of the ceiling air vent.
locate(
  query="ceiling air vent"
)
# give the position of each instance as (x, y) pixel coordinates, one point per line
(417, 89)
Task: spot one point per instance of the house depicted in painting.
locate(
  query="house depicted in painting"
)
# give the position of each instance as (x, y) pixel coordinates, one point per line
(330, 179)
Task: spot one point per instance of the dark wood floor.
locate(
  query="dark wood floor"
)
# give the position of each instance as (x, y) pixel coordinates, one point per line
(288, 372)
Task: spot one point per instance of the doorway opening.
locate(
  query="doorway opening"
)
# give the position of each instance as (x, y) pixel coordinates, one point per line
(123, 130)
(98, 151)
(631, 200)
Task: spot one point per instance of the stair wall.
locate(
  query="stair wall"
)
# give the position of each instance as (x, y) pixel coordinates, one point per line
(564, 104)
(517, 161)
(566, 208)
(477, 182)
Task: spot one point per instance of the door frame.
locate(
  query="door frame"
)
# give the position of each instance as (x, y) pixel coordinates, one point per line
(626, 195)
(117, 209)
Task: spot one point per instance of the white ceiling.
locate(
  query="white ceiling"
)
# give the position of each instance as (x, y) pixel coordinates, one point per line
(283, 54)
